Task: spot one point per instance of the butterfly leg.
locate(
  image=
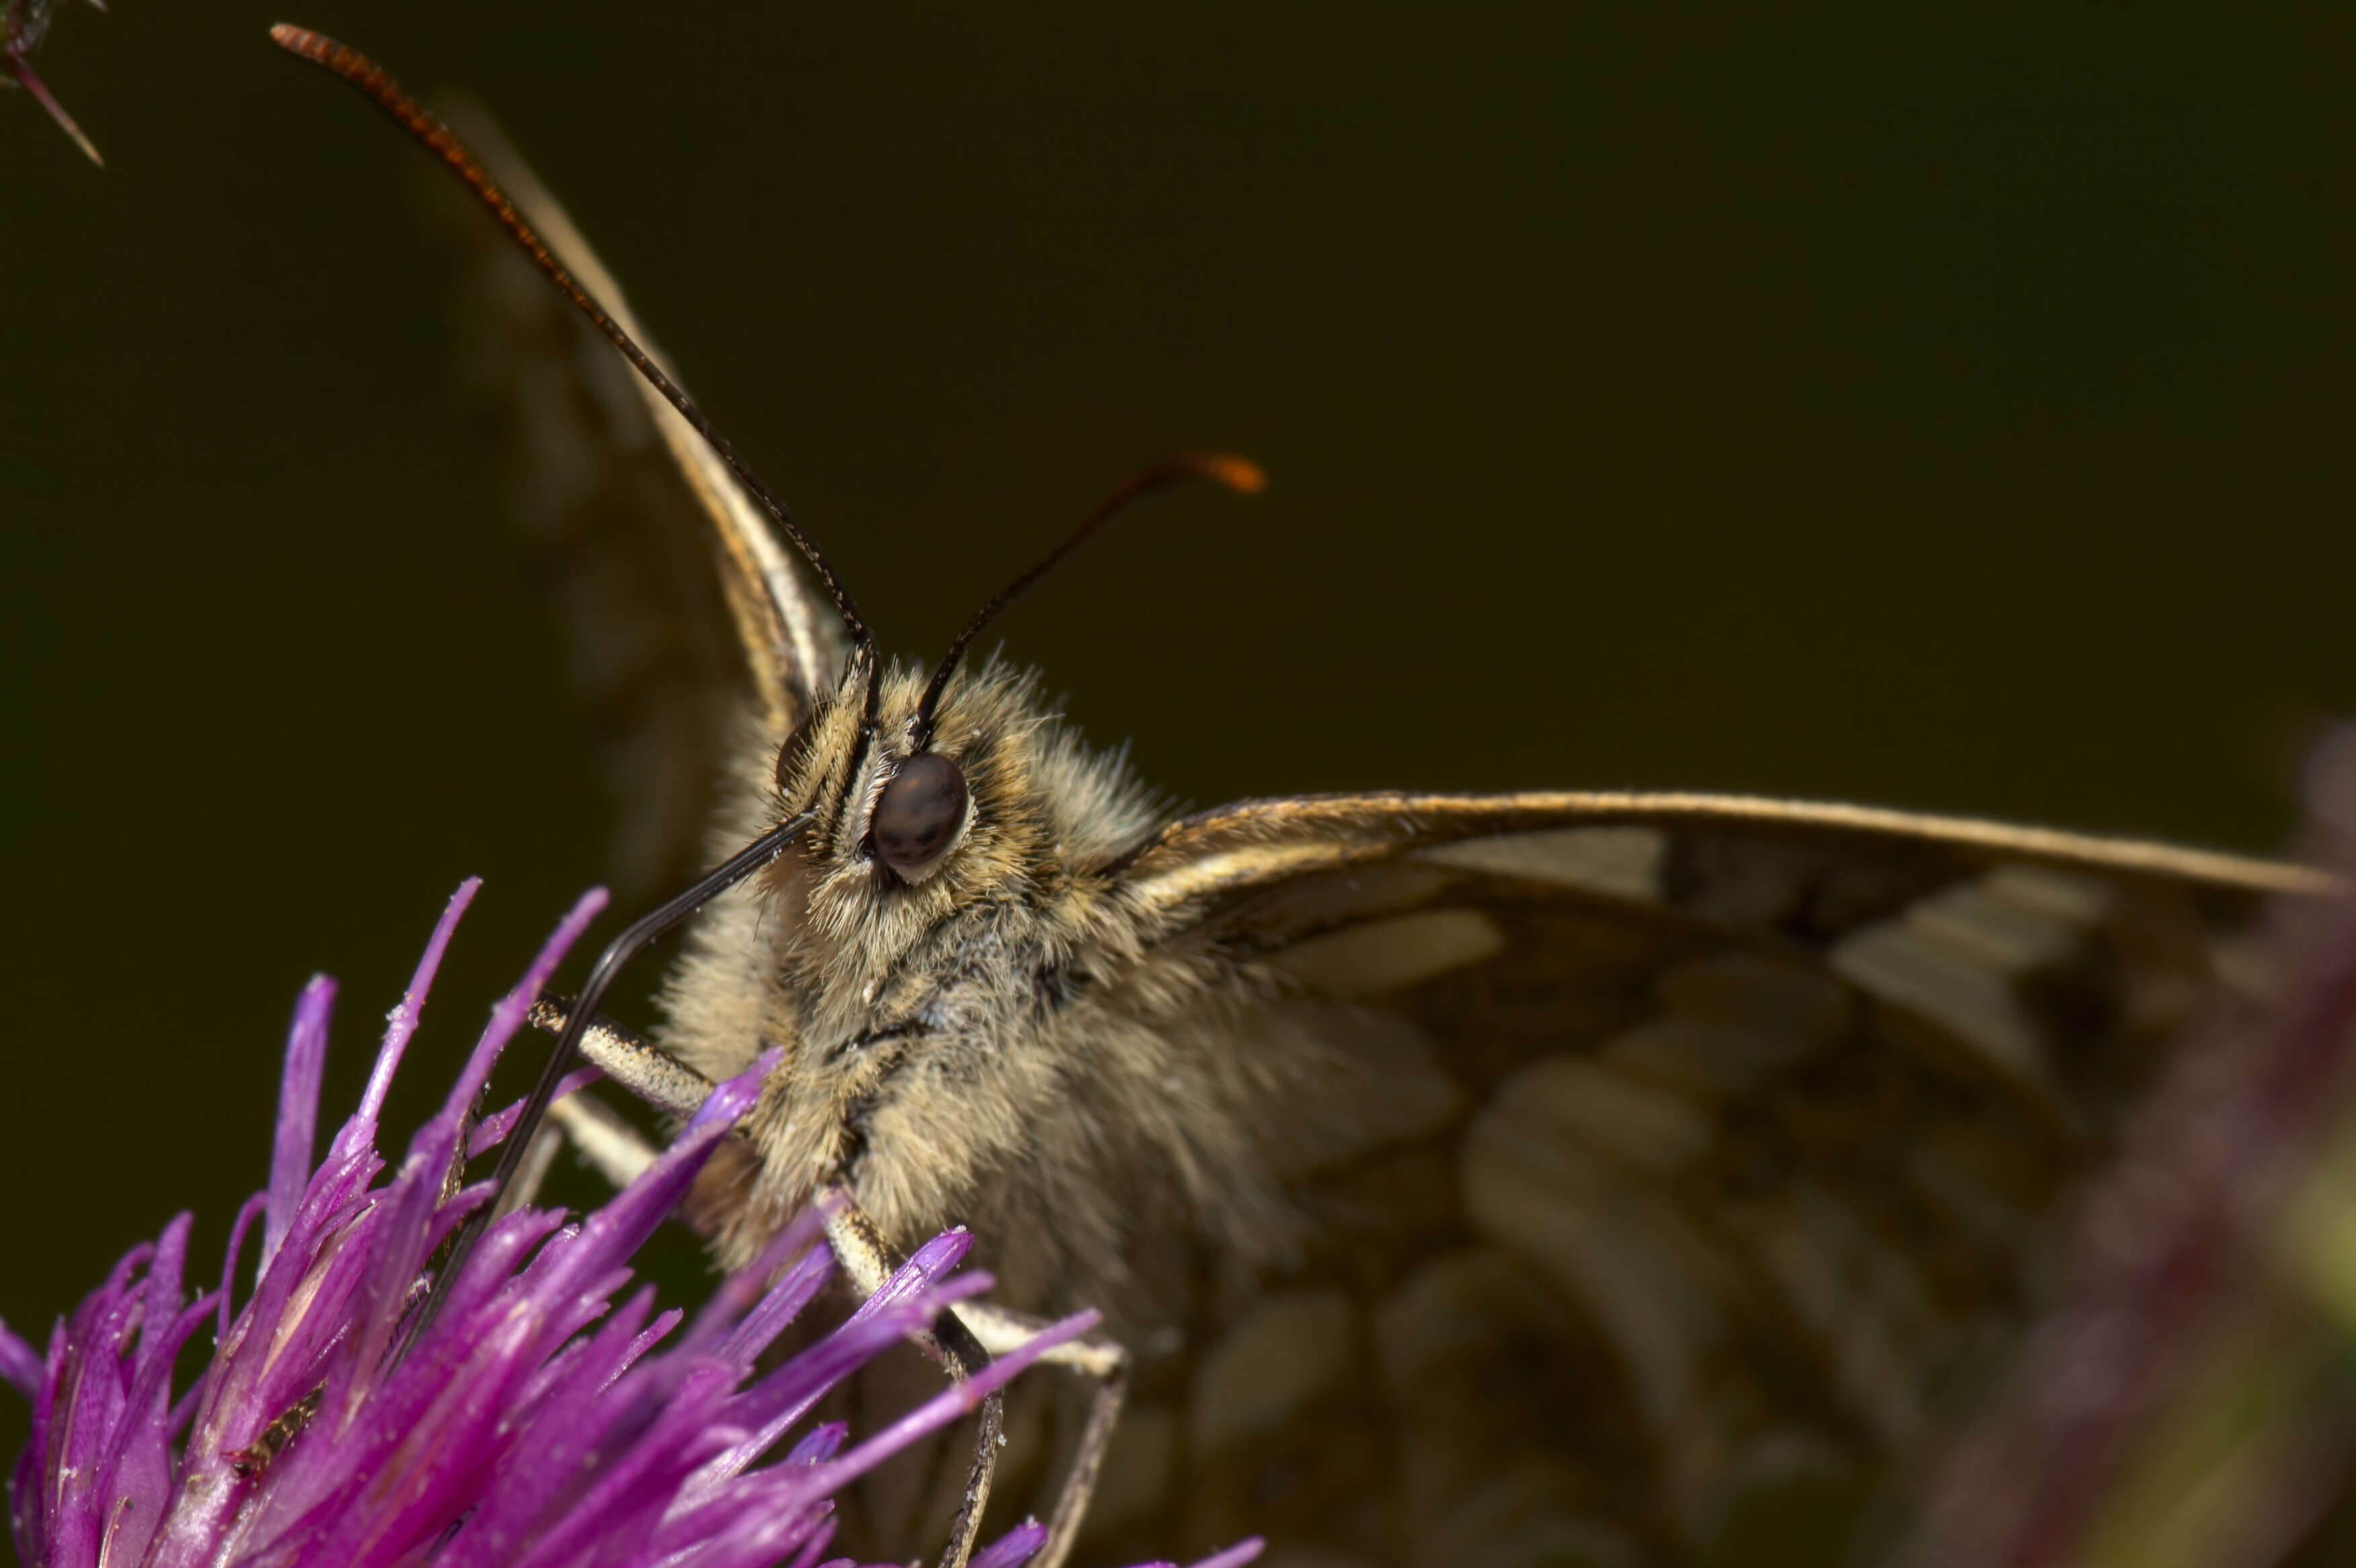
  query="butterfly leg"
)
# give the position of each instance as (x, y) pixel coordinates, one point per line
(630, 1060)
(609, 1145)
(606, 1143)
(1106, 1361)
(620, 1154)
(869, 1259)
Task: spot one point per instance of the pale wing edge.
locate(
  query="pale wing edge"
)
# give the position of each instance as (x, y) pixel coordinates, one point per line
(1251, 843)
(787, 636)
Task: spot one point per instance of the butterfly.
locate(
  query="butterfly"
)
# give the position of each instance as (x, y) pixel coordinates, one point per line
(1498, 1179)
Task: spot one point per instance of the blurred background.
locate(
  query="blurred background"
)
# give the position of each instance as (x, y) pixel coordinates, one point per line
(1946, 411)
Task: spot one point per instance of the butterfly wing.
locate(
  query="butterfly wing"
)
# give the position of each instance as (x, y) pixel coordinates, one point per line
(1701, 1146)
(683, 610)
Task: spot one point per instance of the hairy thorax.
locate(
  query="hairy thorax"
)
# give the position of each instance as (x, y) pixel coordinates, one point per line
(993, 1046)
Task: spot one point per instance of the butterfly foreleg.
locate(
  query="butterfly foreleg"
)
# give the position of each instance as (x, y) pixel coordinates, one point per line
(606, 1143)
(868, 1261)
(1106, 1361)
(652, 1074)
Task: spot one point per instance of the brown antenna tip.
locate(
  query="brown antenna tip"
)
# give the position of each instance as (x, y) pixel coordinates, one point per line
(1241, 475)
(301, 40)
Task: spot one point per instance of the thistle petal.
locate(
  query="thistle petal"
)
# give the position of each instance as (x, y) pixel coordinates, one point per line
(544, 1418)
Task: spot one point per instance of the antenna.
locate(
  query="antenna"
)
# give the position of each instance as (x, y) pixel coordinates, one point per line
(371, 81)
(379, 89)
(1241, 475)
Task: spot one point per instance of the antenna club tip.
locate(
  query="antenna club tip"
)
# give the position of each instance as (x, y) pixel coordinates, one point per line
(1241, 475)
(316, 47)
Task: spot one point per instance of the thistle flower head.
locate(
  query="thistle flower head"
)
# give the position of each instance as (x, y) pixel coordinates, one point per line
(23, 23)
(547, 1414)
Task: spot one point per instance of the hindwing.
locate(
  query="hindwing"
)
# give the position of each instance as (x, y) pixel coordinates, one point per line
(1731, 1128)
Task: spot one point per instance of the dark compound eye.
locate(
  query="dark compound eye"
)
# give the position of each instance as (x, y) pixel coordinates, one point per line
(919, 813)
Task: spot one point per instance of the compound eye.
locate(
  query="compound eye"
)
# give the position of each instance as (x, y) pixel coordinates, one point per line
(919, 814)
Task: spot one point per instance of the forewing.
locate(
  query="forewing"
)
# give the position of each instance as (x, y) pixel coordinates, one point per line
(1702, 1147)
(682, 609)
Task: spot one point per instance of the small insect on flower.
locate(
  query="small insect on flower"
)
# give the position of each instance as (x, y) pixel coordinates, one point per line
(542, 1417)
(22, 24)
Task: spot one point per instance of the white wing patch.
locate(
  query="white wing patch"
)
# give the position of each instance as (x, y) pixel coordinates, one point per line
(1384, 955)
(1957, 960)
(1619, 862)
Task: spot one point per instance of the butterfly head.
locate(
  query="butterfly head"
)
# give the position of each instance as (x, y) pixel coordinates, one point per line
(993, 810)
(951, 785)
(916, 814)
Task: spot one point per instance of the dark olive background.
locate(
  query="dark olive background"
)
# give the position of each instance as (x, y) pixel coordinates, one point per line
(1947, 412)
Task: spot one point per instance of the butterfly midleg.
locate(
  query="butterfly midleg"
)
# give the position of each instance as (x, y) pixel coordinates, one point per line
(619, 1152)
(869, 1259)
(1106, 1361)
(606, 1144)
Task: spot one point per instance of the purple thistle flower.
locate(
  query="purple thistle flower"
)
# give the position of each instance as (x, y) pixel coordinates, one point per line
(22, 24)
(543, 1417)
